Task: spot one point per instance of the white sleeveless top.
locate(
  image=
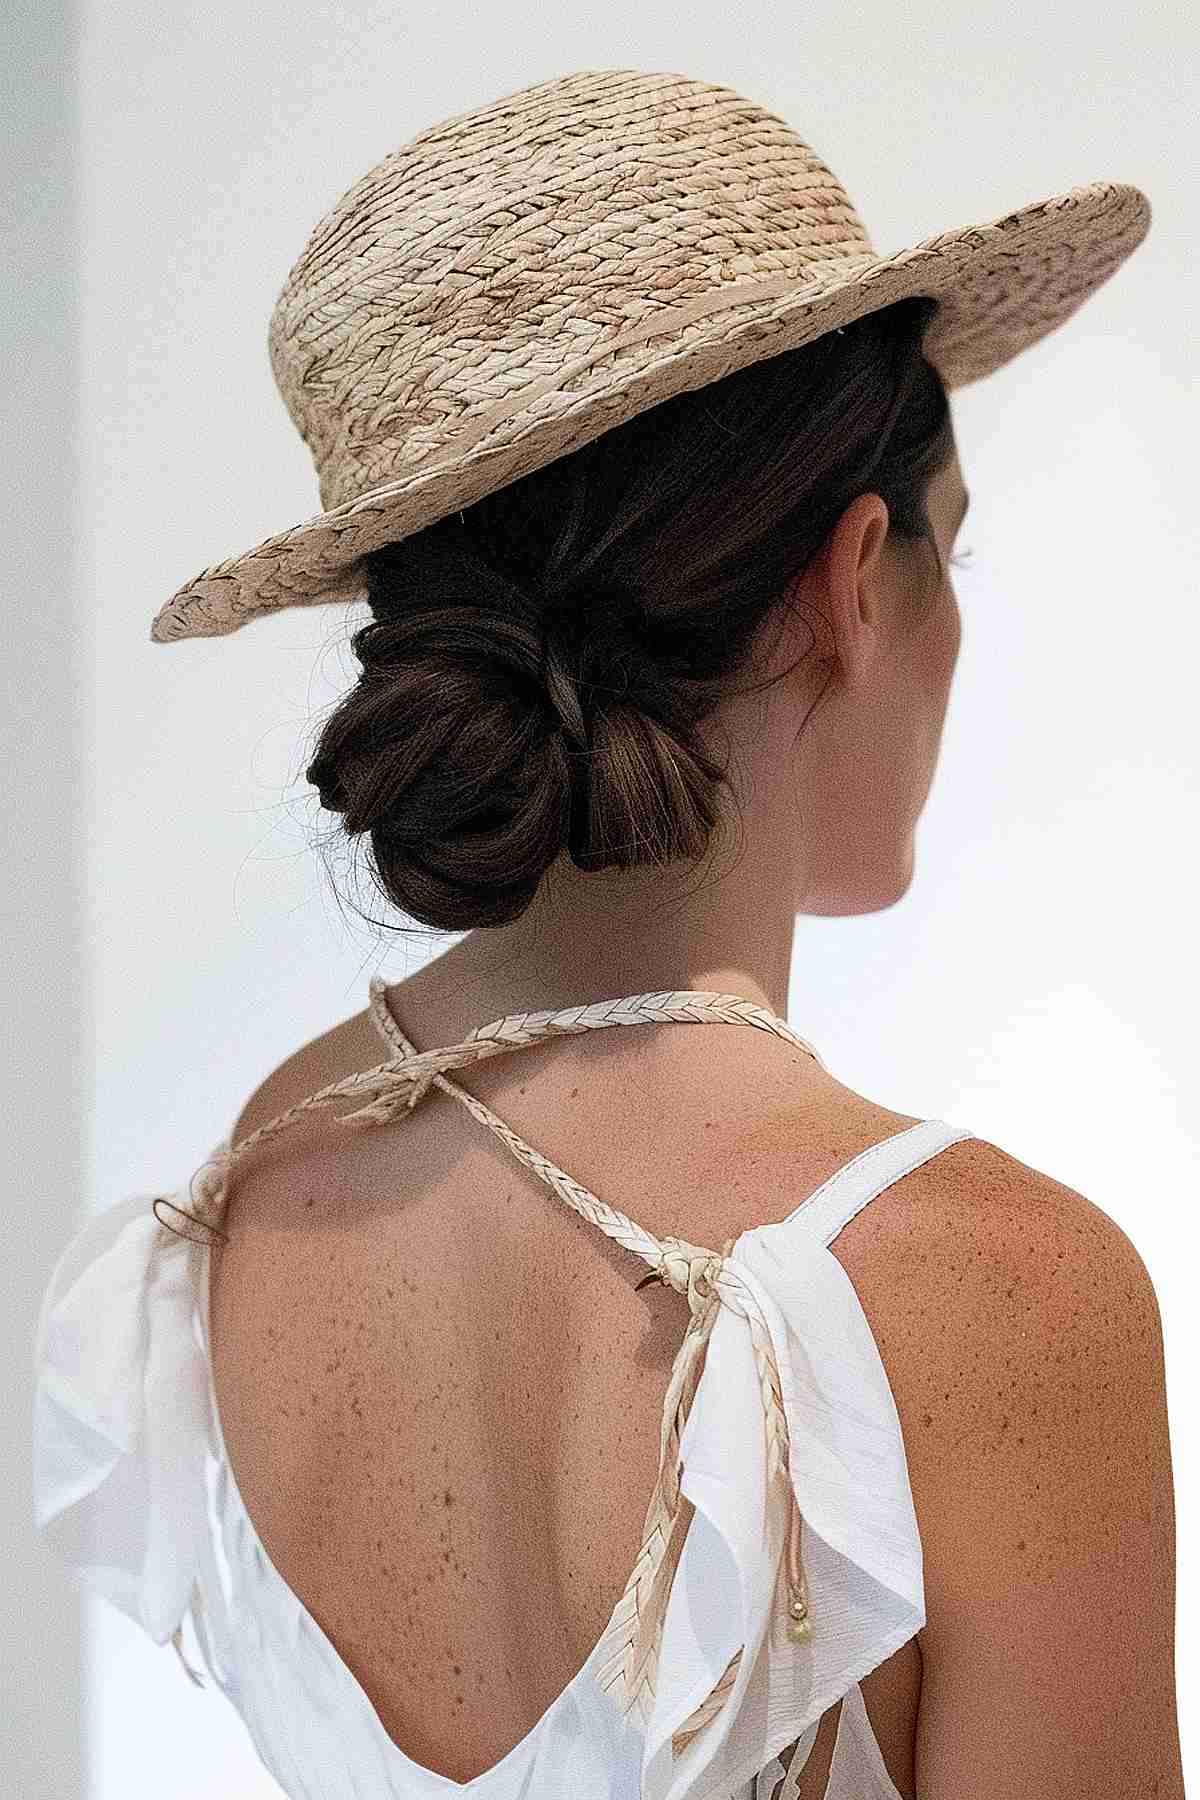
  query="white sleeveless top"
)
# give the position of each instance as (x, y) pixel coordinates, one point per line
(781, 1562)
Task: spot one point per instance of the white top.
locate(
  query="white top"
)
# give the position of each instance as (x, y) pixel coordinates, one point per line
(783, 1490)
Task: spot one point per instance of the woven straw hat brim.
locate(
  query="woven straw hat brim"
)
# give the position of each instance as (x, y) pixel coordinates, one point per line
(1003, 285)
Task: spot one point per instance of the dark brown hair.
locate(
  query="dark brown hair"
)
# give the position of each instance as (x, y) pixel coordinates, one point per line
(537, 665)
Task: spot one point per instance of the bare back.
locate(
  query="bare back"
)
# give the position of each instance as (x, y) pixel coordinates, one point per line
(425, 1432)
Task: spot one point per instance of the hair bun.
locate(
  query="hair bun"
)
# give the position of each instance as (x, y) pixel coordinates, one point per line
(600, 613)
(594, 650)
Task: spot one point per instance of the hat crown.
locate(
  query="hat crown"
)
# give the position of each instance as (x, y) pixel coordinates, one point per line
(476, 258)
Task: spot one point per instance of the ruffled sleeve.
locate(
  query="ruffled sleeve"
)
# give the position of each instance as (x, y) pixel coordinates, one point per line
(860, 1543)
(121, 1413)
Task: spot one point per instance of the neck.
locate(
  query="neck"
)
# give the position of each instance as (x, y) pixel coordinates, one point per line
(603, 939)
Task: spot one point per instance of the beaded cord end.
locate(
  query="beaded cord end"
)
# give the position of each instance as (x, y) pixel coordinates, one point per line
(799, 1629)
(799, 1626)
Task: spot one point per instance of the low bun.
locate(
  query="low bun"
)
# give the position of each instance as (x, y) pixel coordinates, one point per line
(488, 732)
(641, 788)
(537, 667)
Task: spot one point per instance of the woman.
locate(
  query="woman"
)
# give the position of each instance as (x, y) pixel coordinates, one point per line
(645, 464)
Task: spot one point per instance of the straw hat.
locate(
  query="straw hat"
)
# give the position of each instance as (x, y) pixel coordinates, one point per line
(516, 280)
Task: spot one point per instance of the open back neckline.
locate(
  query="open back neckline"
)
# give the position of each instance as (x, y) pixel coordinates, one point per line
(778, 1415)
(512, 1031)
(369, 1709)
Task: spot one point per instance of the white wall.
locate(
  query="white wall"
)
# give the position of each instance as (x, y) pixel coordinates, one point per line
(1039, 981)
(44, 948)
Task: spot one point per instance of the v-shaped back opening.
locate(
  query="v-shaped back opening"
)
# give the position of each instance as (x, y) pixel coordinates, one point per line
(619, 1660)
(795, 1424)
(510, 1031)
(331, 1655)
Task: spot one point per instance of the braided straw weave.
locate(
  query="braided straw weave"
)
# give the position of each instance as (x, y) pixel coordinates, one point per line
(630, 1644)
(516, 280)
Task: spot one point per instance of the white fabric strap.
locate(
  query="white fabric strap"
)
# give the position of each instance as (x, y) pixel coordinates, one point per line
(835, 1203)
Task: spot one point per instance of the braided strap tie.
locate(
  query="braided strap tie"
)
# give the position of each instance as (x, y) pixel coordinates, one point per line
(633, 1637)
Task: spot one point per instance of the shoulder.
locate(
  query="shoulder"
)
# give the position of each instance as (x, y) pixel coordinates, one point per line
(974, 1219)
(977, 1261)
(972, 1213)
(1020, 1331)
(992, 1290)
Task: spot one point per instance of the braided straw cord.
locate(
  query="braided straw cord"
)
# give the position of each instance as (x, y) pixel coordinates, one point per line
(632, 1638)
(393, 1088)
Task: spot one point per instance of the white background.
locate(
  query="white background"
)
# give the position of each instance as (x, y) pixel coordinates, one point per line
(172, 935)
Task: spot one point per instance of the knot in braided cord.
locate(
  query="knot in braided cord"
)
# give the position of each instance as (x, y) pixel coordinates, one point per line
(690, 1269)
